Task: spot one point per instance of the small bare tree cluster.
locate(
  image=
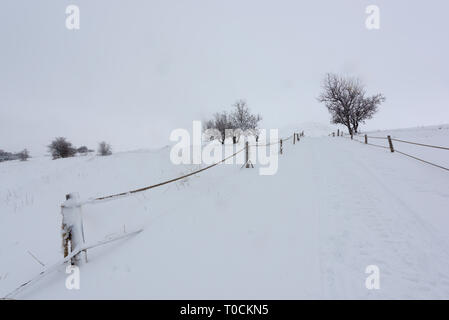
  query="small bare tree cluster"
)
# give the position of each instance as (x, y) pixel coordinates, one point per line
(104, 149)
(346, 100)
(61, 148)
(220, 126)
(243, 120)
(234, 124)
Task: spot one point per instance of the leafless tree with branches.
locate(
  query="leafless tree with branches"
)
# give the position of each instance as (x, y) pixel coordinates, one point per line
(244, 120)
(239, 122)
(221, 123)
(346, 101)
(364, 109)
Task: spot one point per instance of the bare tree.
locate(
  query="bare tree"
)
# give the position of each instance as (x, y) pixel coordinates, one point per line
(240, 121)
(61, 148)
(210, 131)
(222, 123)
(345, 99)
(104, 149)
(339, 95)
(23, 155)
(208, 124)
(244, 120)
(364, 109)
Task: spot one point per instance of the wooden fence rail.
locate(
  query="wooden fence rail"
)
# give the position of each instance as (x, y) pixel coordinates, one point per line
(393, 149)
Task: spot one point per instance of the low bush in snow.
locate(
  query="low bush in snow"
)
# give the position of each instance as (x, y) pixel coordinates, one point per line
(61, 148)
(104, 149)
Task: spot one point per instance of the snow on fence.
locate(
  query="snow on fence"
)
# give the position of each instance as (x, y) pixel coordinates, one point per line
(393, 149)
(72, 230)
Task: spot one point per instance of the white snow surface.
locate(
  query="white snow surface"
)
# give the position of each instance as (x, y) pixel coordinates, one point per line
(334, 207)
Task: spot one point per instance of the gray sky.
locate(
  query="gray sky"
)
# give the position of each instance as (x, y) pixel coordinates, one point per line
(138, 69)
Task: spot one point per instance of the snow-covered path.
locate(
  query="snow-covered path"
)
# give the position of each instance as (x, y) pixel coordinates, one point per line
(334, 207)
(371, 215)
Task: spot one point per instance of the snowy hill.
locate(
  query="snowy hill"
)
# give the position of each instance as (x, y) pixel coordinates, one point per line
(313, 129)
(334, 207)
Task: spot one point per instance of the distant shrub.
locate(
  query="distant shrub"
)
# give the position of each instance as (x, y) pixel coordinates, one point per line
(61, 148)
(5, 156)
(8, 156)
(84, 150)
(23, 155)
(104, 149)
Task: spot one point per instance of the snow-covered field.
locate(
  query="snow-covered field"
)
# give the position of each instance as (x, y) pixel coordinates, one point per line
(334, 207)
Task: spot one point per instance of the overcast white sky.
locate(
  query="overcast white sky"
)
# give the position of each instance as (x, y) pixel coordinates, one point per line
(138, 69)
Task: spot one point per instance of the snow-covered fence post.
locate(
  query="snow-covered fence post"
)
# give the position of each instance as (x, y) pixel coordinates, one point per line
(338, 132)
(352, 136)
(72, 226)
(333, 134)
(390, 143)
(280, 149)
(294, 137)
(366, 139)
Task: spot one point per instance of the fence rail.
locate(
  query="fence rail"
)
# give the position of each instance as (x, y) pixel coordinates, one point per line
(420, 144)
(167, 181)
(425, 161)
(186, 175)
(393, 149)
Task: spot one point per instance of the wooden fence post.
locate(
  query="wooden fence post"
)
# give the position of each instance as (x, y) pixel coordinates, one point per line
(72, 227)
(333, 134)
(246, 154)
(294, 138)
(338, 132)
(248, 163)
(280, 149)
(390, 143)
(352, 136)
(366, 139)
